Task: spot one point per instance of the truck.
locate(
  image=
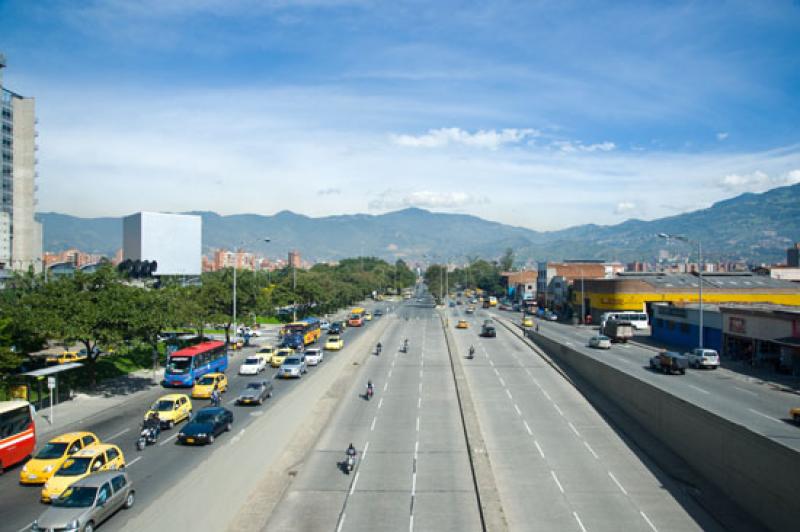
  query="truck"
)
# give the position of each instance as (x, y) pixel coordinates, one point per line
(617, 330)
(669, 362)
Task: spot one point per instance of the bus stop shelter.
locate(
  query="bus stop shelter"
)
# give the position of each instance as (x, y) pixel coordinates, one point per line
(39, 379)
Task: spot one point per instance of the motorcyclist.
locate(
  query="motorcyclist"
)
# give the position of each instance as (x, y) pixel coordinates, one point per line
(405, 345)
(215, 399)
(379, 347)
(370, 388)
(351, 452)
(471, 351)
(153, 425)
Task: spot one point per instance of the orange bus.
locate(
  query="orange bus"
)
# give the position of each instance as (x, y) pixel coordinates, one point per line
(356, 317)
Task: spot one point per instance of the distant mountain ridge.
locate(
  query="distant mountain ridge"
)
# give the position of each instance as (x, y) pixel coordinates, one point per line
(754, 227)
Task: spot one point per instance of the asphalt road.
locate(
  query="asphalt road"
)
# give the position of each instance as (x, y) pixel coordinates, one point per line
(156, 468)
(413, 471)
(759, 407)
(557, 464)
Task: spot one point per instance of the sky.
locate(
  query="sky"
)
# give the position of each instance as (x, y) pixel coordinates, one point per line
(542, 114)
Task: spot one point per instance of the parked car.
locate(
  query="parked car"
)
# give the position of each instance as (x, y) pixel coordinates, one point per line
(669, 362)
(253, 365)
(206, 425)
(600, 342)
(46, 462)
(171, 409)
(92, 459)
(255, 393)
(314, 356)
(703, 358)
(87, 503)
(293, 367)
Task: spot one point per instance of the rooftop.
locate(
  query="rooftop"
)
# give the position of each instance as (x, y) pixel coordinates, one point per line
(722, 281)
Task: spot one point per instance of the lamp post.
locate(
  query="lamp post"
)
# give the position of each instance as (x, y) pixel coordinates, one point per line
(683, 238)
(236, 267)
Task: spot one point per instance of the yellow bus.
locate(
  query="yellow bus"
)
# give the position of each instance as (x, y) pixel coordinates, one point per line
(356, 317)
(308, 328)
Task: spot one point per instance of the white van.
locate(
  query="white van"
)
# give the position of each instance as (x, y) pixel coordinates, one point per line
(637, 319)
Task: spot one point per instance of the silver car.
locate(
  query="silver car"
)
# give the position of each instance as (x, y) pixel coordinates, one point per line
(87, 503)
(293, 366)
(600, 342)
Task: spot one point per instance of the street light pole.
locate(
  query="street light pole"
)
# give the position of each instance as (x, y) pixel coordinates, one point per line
(682, 238)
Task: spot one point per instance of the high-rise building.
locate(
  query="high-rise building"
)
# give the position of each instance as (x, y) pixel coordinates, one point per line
(793, 256)
(20, 233)
(294, 259)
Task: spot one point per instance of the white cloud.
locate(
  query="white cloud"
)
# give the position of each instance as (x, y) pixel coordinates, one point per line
(490, 138)
(393, 199)
(568, 146)
(758, 181)
(330, 191)
(722, 135)
(625, 207)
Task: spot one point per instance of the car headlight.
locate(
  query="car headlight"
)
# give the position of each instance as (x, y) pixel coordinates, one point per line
(25, 468)
(73, 525)
(202, 435)
(48, 469)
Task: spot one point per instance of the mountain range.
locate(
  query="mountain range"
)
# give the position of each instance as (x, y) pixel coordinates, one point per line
(753, 227)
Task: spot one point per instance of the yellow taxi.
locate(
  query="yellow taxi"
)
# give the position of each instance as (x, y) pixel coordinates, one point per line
(98, 457)
(171, 409)
(202, 388)
(462, 324)
(527, 321)
(280, 355)
(65, 357)
(46, 462)
(368, 316)
(267, 352)
(794, 413)
(334, 343)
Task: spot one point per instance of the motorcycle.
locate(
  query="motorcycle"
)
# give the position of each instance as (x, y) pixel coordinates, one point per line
(370, 392)
(148, 436)
(404, 349)
(351, 463)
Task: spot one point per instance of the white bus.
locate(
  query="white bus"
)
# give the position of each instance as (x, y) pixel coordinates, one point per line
(637, 319)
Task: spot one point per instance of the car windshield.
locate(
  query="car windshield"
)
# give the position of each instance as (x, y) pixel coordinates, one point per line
(254, 361)
(254, 386)
(602, 337)
(162, 405)
(76, 497)
(51, 450)
(204, 417)
(266, 350)
(333, 339)
(74, 467)
(179, 365)
(206, 381)
(292, 360)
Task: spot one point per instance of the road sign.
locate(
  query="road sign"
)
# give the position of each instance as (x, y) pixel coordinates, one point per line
(51, 382)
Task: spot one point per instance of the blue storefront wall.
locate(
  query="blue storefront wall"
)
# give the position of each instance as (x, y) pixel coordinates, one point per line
(678, 326)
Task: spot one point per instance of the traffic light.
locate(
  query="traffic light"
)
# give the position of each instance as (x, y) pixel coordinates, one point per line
(137, 269)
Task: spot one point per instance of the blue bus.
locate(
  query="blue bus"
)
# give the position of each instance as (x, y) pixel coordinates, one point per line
(187, 365)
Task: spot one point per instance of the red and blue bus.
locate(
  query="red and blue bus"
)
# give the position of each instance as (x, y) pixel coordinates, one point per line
(17, 432)
(187, 365)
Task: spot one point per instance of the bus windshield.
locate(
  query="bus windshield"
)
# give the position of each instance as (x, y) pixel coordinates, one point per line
(179, 365)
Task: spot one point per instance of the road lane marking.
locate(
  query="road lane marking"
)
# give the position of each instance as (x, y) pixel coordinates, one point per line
(528, 428)
(417, 423)
(490, 361)
(411, 523)
(610, 474)
(573, 428)
(558, 409)
(413, 484)
(420, 387)
(364, 453)
(508, 393)
(538, 448)
(765, 415)
(341, 522)
(746, 391)
(133, 461)
(355, 480)
(372, 427)
(555, 479)
(390, 374)
(699, 389)
(649, 522)
(547, 395)
(496, 372)
(578, 519)
(519, 412)
(386, 385)
(26, 527)
(380, 403)
(117, 435)
(586, 443)
(416, 449)
(502, 381)
(419, 402)
(420, 374)
(168, 440)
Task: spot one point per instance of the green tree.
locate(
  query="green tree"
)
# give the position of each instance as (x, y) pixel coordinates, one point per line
(507, 260)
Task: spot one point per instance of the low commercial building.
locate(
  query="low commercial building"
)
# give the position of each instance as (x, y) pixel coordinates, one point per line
(762, 335)
(640, 291)
(520, 286)
(679, 325)
(554, 279)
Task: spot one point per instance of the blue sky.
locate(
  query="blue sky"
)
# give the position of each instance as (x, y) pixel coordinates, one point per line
(543, 114)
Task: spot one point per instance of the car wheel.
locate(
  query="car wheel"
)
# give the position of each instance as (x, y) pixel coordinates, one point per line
(89, 527)
(129, 500)
(683, 371)
(228, 427)
(270, 395)
(210, 438)
(170, 424)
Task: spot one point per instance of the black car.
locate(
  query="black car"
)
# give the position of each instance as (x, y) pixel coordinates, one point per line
(206, 425)
(488, 331)
(378, 313)
(255, 393)
(335, 328)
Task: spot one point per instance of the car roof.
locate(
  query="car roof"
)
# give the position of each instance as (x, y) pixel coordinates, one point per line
(95, 480)
(71, 436)
(172, 396)
(94, 450)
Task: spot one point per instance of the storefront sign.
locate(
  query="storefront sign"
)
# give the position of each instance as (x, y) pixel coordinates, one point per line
(737, 325)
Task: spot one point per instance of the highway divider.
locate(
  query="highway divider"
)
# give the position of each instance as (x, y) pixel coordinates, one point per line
(758, 474)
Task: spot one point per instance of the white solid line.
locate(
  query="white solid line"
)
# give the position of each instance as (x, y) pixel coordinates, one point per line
(509, 394)
(133, 461)
(502, 381)
(372, 427)
(380, 403)
(746, 391)
(411, 523)
(573, 428)
(700, 389)
(590, 449)
(341, 522)
(117, 435)
(519, 412)
(649, 522)
(610, 474)
(541, 452)
(528, 428)
(557, 408)
(555, 479)
(355, 481)
(168, 440)
(26, 527)
(364, 453)
(417, 423)
(578, 519)
(765, 415)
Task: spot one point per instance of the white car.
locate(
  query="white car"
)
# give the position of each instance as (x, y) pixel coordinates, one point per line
(253, 365)
(324, 325)
(314, 356)
(600, 342)
(703, 358)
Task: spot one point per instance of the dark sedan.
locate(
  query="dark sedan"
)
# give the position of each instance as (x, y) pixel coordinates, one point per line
(255, 393)
(335, 328)
(206, 425)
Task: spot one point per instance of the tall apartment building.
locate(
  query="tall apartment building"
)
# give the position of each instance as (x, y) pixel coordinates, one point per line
(20, 233)
(294, 259)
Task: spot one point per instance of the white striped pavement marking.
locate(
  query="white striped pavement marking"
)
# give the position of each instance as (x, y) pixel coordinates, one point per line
(528, 428)
(538, 448)
(649, 522)
(573, 428)
(555, 479)
(590, 449)
(610, 474)
(117, 435)
(578, 519)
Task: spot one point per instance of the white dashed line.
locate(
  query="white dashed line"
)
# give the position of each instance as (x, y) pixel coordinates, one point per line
(649, 522)
(26, 527)
(133, 461)
(555, 479)
(528, 428)
(168, 440)
(558, 409)
(746, 391)
(372, 427)
(385, 386)
(411, 523)
(519, 412)
(117, 435)
(610, 474)
(538, 448)
(416, 448)
(765, 415)
(573, 428)
(390, 374)
(502, 382)
(490, 362)
(417, 423)
(419, 402)
(590, 449)
(547, 395)
(578, 519)
(413, 484)
(699, 389)
(496, 372)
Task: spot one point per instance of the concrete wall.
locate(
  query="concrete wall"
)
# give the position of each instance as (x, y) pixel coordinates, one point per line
(760, 475)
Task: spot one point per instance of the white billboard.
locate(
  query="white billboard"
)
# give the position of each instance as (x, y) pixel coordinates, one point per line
(174, 241)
